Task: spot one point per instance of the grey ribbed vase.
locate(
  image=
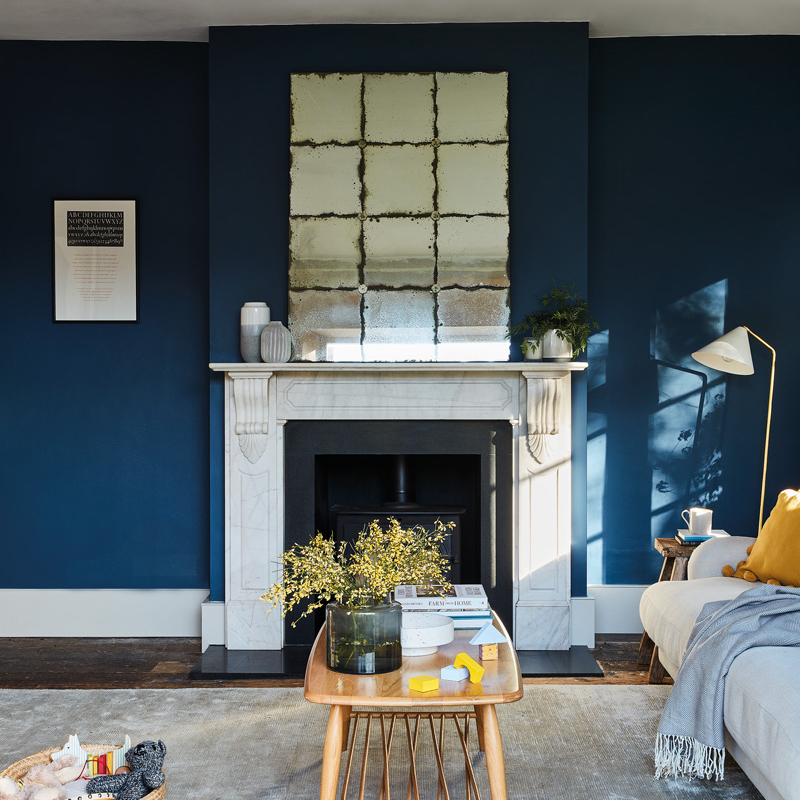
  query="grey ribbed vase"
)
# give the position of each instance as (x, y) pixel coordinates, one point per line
(276, 343)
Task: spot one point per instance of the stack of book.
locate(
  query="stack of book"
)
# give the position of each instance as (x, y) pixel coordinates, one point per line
(686, 537)
(466, 603)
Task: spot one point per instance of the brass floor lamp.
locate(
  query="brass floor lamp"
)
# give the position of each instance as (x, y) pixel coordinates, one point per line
(731, 353)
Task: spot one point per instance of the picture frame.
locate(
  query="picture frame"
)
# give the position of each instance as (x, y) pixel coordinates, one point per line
(95, 260)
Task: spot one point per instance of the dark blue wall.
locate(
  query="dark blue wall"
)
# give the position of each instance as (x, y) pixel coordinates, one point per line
(249, 119)
(694, 229)
(103, 427)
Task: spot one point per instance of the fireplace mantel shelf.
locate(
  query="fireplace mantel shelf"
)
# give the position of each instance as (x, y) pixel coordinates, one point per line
(254, 370)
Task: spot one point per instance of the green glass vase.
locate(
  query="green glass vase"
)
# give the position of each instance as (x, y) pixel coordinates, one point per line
(363, 639)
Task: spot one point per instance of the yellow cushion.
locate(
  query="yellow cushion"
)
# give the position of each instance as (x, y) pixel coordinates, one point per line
(775, 556)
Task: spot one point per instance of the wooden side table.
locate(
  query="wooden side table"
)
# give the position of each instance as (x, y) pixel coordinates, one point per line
(676, 557)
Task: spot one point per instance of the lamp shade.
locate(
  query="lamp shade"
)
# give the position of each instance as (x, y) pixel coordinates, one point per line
(730, 353)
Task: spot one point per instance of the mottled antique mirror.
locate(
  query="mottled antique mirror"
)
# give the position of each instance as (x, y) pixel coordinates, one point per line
(399, 217)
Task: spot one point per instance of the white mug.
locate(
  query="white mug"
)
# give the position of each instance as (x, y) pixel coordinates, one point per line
(698, 521)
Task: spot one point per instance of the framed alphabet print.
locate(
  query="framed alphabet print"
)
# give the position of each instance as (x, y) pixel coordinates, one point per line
(95, 261)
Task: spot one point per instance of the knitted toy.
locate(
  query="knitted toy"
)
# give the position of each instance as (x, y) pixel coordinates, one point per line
(145, 761)
(741, 571)
(42, 782)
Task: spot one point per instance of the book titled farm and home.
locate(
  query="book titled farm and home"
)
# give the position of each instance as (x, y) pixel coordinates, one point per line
(436, 598)
(462, 619)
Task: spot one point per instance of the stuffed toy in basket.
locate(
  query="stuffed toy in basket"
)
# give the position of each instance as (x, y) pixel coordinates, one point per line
(140, 782)
(145, 761)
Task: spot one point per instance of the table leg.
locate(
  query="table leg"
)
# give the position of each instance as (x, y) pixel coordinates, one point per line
(670, 571)
(338, 721)
(493, 746)
(645, 653)
(657, 672)
(346, 733)
(679, 568)
(666, 569)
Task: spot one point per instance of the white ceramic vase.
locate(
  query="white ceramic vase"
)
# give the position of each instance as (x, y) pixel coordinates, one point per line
(253, 318)
(554, 348)
(276, 343)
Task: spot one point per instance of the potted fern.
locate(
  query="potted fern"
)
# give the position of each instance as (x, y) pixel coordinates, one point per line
(561, 328)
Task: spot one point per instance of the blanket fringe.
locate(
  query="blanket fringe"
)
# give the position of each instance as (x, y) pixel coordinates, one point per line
(684, 756)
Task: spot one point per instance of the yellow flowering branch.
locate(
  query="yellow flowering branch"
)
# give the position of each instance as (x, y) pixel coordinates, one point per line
(364, 573)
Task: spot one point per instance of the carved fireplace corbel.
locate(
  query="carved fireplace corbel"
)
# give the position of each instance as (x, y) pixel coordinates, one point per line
(251, 397)
(543, 411)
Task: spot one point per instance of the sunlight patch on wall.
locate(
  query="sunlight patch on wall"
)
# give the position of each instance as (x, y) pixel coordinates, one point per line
(596, 459)
(683, 446)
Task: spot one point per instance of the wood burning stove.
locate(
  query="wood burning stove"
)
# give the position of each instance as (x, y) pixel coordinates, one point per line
(402, 505)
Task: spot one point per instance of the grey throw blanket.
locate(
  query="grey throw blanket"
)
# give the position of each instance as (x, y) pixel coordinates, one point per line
(690, 738)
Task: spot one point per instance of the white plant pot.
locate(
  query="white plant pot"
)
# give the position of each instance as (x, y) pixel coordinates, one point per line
(554, 348)
(533, 352)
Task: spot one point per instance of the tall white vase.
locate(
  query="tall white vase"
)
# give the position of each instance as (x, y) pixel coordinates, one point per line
(254, 317)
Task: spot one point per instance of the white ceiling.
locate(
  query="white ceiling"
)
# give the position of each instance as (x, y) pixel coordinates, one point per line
(189, 20)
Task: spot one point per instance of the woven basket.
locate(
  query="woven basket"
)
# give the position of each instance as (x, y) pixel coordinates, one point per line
(20, 768)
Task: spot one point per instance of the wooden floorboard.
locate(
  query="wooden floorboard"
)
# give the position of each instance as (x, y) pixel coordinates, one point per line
(165, 663)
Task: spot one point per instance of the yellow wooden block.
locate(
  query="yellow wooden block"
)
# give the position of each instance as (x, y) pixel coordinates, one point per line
(423, 683)
(475, 669)
(487, 652)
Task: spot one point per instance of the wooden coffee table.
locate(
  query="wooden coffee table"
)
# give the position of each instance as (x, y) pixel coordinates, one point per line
(396, 703)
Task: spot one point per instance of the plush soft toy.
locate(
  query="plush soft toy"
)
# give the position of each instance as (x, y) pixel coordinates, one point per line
(741, 571)
(42, 782)
(145, 761)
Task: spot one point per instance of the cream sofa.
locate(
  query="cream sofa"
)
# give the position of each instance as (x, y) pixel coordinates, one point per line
(762, 691)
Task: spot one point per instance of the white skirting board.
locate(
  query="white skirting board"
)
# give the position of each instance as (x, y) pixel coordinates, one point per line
(582, 622)
(177, 612)
(582, 618)
(617, 608)
(213, 623)
(101, 612)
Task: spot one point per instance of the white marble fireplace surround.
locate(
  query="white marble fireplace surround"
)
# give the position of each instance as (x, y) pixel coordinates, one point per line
(534, 398)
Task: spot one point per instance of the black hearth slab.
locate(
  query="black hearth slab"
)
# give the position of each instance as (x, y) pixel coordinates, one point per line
(218, 663)
(577, 662)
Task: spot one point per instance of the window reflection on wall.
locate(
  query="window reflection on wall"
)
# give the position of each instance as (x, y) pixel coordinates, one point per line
(399, 217)
(663, 414)
(596, 464)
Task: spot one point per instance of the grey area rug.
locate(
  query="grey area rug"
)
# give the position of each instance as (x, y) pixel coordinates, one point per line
(560, 742)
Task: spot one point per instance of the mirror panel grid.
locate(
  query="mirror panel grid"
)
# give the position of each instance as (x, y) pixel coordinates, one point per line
(399, 221)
